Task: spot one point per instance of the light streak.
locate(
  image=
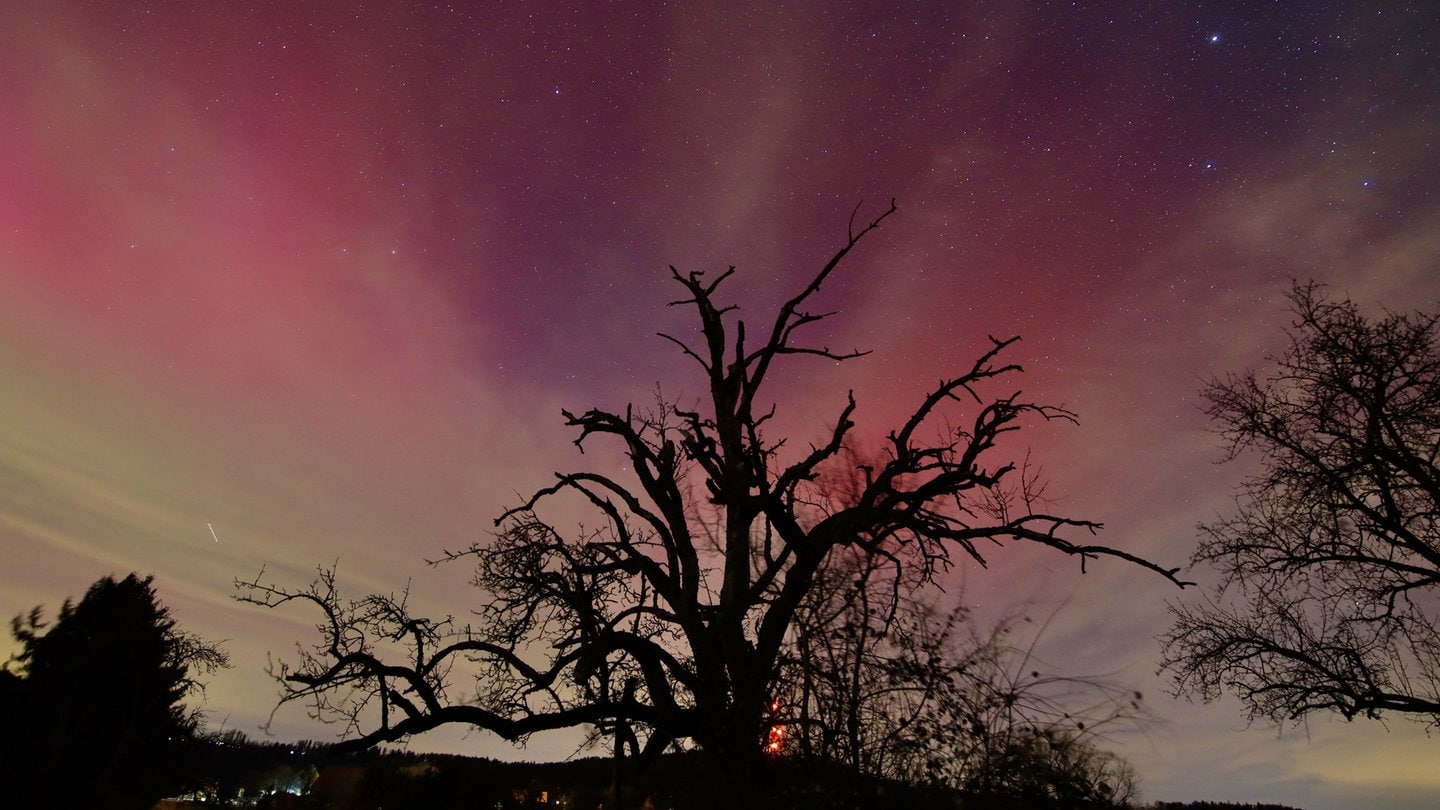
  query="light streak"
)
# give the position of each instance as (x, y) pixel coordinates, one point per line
(212, 531)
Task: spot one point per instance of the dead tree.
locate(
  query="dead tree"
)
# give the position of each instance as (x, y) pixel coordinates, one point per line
(668, 615)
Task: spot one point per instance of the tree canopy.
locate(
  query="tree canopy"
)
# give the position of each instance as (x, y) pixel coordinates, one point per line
(664, 621)
(94, 704)
(1329, 597)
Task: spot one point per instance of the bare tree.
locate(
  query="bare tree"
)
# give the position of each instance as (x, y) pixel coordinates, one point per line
(666, 619)
(882, 679)
(1330, 564)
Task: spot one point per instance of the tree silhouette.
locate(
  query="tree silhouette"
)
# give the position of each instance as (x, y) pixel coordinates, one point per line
(665, 620)
(883, 680)
(1331, 563)
(94, 705)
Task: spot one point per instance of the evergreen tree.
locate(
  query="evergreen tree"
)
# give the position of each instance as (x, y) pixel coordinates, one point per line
(94, 704)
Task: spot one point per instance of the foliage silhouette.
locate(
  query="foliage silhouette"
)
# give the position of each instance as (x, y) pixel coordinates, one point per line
(94, 705)
(665, 622)
(1331, 563)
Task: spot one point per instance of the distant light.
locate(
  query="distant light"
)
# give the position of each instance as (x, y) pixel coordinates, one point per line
(1214, 37)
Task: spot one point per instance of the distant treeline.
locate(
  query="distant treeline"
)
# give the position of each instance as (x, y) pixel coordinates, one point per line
(239, 772)
(1216, 806)
(232, 771)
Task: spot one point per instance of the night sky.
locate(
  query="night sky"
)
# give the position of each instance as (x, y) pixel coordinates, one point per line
(320, 278)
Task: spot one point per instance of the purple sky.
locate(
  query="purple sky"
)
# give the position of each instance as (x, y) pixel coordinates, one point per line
(321, 279)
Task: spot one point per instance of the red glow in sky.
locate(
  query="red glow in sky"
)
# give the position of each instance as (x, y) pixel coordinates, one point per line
(322, 278)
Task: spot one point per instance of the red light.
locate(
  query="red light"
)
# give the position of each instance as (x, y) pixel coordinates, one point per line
(777, 739)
